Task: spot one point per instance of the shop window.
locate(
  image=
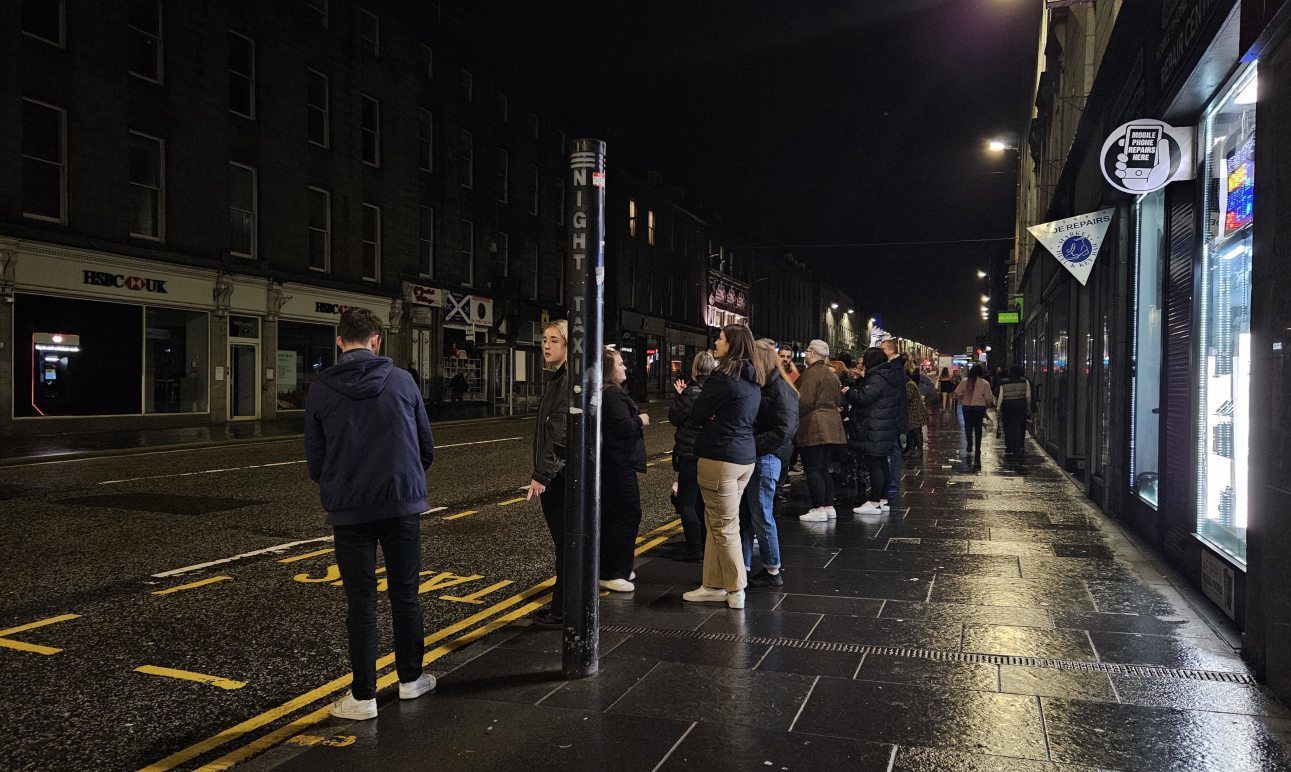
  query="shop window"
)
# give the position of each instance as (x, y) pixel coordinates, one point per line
(304, 351)
(1145, 418)
(176, 368)
(76, 357)
(1224, 320)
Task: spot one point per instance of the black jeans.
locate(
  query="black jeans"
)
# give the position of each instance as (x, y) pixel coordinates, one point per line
(815, 464)
(690, 508)
(553, 511)
(1013, 414)
(880, 476)
(973, 417)
(914, 440)
(620, 521)
(356, 557)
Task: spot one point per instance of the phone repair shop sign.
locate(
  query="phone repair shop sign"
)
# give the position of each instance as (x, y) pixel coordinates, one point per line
(1146, 155)
(1075, 241)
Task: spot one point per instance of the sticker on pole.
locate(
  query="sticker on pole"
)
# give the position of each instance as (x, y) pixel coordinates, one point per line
(598, 179)
(1146, 155)
(1075, 241)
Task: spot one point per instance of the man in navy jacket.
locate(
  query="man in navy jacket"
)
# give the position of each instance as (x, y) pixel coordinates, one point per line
(368, 446)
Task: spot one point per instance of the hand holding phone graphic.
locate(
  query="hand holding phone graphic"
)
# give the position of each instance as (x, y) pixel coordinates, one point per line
(1144, 160)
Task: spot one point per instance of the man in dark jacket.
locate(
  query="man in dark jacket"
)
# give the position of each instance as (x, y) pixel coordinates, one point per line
(368, 446)
(894, 453)
(880, 410)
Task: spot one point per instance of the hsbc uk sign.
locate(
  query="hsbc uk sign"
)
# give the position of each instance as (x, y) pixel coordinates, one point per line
(121, 281)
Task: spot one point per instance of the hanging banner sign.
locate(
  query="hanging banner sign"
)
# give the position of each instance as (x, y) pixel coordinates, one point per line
(1146, 155)
(1075, 241)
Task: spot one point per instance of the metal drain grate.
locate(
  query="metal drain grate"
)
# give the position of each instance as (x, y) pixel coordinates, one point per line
(1149, 671)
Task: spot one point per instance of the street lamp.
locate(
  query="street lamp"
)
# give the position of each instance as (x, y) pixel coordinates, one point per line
(833, 305)
(981, 274)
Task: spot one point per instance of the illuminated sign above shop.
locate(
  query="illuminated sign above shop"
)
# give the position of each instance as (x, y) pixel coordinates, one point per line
(1146, 155)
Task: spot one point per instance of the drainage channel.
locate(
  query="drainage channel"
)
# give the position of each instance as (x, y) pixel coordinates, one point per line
(1149, 671)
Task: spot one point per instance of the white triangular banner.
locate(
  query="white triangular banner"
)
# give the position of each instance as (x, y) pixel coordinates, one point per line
(1075, 241)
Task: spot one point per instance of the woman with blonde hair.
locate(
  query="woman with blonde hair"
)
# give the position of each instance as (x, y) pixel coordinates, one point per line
(725, 413)
(548, 479)
(690, 503)
(773, 431)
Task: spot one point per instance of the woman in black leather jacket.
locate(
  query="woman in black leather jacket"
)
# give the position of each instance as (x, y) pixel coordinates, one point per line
(622, 458)
(690, 504)
(548, 480)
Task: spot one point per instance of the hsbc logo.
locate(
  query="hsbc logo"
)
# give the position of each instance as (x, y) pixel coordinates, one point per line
(331, 308)
(121, 281)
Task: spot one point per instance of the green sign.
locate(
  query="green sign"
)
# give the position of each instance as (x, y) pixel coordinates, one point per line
(1009, 317)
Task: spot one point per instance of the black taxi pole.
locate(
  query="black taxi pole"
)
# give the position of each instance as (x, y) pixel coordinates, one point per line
(585, 285)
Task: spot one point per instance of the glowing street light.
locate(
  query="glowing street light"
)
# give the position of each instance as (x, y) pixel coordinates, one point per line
(981, 274)
(833, 305)
(996, 146)
(986, 298)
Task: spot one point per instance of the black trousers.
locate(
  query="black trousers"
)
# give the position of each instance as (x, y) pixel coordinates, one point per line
(1013, 412)
(973, 417)
(553, 511)
(356, 557)
(620, 521)
(880, 476)
(914, 439)
(690, 508)
(815, 465)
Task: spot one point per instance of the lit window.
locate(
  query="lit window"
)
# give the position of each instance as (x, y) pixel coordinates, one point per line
(632, 218)
(147, 186)
(650, 227)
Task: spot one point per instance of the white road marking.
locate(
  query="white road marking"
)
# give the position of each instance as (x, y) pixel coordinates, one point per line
(222, 561)
(276, 463)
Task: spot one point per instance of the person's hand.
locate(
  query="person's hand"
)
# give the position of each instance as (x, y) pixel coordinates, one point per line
(645, 419)
(535, 488)
(846, 388)
(679, 385)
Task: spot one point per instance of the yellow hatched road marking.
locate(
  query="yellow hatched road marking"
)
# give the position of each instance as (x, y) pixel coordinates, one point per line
(467, 513)
(188, 675)
(509, 502)
(313, 554)
(191, 585)
(33, 647)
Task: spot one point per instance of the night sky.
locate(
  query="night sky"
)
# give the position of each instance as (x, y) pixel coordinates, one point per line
(814, 123)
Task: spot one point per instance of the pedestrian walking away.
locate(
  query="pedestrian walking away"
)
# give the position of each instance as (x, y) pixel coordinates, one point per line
(947, 386)
(725, 412)
(622, 457)
(457, 386)
(917, 413)
(1014, 408)
(876, 402)
(368, 445)
(548, 479)
(773, 432)
(974, 393)
(820, 429)
(689, 500)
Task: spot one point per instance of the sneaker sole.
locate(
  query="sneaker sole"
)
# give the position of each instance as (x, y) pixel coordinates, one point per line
(352, 717)
(417, 693)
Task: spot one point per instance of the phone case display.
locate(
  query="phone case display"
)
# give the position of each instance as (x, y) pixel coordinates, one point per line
(1224, 295)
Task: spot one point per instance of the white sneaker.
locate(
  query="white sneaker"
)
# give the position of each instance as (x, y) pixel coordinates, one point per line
(831, 512)
(413, 690)
(815, 515)
(868, 508)
(632, 576)
(735, 600)
(884, 505)
(355, 710)
(704, 595)
(617, 585)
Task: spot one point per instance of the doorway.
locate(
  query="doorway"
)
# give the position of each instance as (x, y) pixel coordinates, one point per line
(244, 381)
(499, 382)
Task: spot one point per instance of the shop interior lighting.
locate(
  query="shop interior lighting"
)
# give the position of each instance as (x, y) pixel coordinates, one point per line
(1248, 94)
(55, 347)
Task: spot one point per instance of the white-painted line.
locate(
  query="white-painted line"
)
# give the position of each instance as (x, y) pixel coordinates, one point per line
(433, 510)
(222, 561)
(479, 442)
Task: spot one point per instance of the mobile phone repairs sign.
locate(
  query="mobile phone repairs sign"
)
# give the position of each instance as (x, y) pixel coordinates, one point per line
(1075, 241)
(1146, 155)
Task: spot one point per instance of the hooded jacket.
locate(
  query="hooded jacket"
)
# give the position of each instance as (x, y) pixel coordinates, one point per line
(683, 439)
(777, 420)
(549, 431)
(367, 440)
(725, 412)
(880, 409)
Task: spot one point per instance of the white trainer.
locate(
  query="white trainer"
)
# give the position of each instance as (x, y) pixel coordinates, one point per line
(815, 515)
(632, 576)
(413, 690)
(617, 585)
(868, 508)
(355, 710)
(705, 595)
(735, 600)
(884, 505)
(831, 512)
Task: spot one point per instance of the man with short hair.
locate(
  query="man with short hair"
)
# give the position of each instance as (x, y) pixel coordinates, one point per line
(889, 347)
(787, 368)
(368, 446)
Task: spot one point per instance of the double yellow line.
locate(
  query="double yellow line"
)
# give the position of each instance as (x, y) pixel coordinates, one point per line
(527, 598)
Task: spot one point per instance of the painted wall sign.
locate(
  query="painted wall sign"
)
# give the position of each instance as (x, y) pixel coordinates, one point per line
(1146, 154)
(1075, 241)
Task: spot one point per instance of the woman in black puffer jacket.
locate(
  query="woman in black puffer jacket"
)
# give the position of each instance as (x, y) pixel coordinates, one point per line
(690, 504)
(876, 401)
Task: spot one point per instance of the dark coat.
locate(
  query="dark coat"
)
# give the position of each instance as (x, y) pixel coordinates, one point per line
(683, 440)
(549, 431)
(367, 440)
(622, 433)
(725, 412)
(777, 420)
(880, 410)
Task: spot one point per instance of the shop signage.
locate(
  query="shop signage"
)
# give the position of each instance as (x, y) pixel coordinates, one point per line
(1075, 241)
(1146, 155)
(1009, 317)
(331, 308)
(470, 310)
(1218, 582)
(121, 281)
(422, 295)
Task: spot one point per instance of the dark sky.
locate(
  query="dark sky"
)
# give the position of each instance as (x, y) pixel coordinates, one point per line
(812, 123)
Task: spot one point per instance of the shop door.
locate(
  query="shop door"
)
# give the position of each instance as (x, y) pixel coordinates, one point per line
(244, 381)
(498, 380)
(426, 367)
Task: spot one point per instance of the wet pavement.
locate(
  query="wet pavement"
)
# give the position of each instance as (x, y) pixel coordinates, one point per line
(994, 620)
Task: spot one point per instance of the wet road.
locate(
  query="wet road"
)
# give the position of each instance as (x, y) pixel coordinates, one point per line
(150, 602)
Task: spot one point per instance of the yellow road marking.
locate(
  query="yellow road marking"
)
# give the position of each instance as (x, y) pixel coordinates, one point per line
(191, 585)
(509, 502)
(476, 596)
(313, 554)
(188, 675)
(467, 513)
(32, 647)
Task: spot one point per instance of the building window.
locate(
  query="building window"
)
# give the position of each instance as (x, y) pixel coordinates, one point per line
(426, 141)
(650, 227)
(426, 60)
(533, 189)
(45, 20)
(371, 130)
(370, 33)
(504, 108)
(147, 186)
(503, 174)
(319, 7)
(44, 161)
(468, 86)
(502, 260)
(242, 210)
(320, 230)
(426, 242)
(533, 124)
(242, 75)
(466, 159)
(145, 39)
(632, 218)
(317, 99)
(466, 248)
(371, 242)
